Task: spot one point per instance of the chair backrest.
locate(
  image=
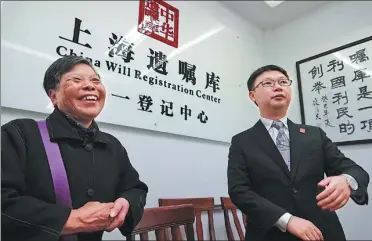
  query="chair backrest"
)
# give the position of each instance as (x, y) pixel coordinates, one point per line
(200, 205)
(158, 219)
(226, 206)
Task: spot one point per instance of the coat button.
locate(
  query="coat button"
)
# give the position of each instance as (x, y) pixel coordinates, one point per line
(88, 147)
(294, 190)
(90, 192)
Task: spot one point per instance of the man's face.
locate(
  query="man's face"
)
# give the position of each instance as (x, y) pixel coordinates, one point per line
(80, 93)
(270, 97)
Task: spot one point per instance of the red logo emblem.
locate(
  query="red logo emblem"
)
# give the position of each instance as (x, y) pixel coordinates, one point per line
(302, 130)
(159, 20)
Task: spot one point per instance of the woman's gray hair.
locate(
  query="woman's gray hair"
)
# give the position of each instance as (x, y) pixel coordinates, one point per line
(60, 67)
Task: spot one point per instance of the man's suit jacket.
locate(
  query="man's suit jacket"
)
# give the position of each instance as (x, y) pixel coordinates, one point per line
(262, 187)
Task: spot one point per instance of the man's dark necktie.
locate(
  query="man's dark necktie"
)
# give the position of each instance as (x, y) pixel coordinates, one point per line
(282, 142)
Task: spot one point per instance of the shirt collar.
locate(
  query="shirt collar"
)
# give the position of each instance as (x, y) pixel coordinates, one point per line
(268, 123)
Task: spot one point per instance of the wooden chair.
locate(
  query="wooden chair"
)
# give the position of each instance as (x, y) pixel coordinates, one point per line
(226, 206)
(200, 205)
(160, 218)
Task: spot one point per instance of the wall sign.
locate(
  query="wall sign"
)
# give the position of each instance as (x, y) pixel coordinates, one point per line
(156, 77)
(336, 92)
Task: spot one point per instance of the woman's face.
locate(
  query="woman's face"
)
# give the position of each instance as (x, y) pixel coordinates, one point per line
(80, 94)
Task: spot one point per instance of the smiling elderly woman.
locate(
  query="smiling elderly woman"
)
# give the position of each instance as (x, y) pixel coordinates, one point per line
(63, 178)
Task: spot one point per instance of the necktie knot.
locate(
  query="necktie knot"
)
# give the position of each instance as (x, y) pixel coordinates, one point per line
(277, 124)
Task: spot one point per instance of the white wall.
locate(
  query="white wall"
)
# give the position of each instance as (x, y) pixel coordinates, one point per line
(195, 167)
(179, 166)
(336, 24)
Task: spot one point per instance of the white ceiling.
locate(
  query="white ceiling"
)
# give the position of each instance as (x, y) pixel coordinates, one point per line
(264, 17)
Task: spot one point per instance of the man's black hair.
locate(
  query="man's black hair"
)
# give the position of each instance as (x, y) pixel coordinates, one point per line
(259, 71)
(60, 67)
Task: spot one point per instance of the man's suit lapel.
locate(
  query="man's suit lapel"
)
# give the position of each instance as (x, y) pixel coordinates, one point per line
(267, 144)
(296, 144)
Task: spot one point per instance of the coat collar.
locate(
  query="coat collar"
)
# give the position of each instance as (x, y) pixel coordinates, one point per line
(297, 145)
(61, 126)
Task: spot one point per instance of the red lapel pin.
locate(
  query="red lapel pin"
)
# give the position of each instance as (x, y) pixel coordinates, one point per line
(302, 130)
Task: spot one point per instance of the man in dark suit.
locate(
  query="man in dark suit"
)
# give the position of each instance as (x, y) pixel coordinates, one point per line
(276, 170)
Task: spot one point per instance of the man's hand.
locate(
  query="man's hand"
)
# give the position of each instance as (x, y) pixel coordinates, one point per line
(336, 193)
(303, 229)
(118, 213)
(93, 216)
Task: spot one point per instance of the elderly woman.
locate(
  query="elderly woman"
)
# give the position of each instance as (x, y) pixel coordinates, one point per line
(63, 178)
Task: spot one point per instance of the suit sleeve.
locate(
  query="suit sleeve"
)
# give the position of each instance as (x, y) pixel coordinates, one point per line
(337, 164)
(20, 211)
(135, 191)
(260, 212)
